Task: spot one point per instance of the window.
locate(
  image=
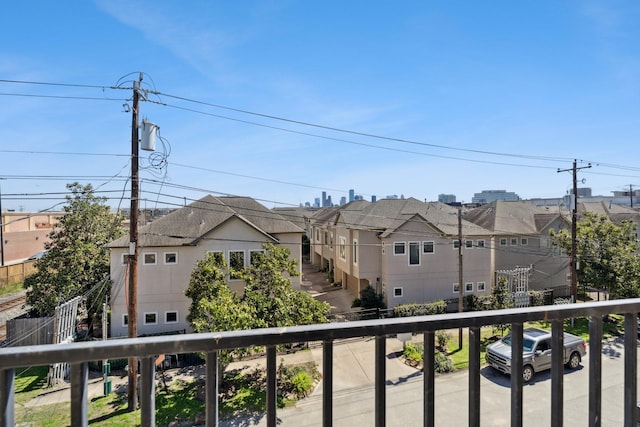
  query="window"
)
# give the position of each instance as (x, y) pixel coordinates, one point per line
(397, 292)
(317, 234)
(254, 256)
(414, 253)
(125, 320)
(398, 248)
(480, 244)
(480, 286)
(151, 318)
(326, 238)
(456, 244)
(342, 251)
(217, 255)
(236, 264)
(468, 287)
(514, 241)
(355, 251)
(171, 317)
(149, 258)
(503, 241)
(524, 241)
(170, 257)
(456, 288)
(428, 247)
(124, 258)
(468, 244)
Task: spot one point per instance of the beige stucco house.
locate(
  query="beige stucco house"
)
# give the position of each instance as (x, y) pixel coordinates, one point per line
(403, 248)
(170, 247)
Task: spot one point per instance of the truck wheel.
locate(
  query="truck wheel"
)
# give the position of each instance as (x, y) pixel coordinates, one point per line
(574, 360)
(527, 373)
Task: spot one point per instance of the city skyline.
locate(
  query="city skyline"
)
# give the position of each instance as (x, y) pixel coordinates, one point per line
(282, 101)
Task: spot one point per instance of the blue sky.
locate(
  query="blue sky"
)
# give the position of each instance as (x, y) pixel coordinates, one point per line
(436, 97)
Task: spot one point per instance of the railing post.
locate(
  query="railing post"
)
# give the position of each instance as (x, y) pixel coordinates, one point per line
(271, 386)
(148, 392)
(595, 371)
(516, 375)
(630, 368)
(474, 376)
(557, 372)
(327, 383)
(428, 367)
(7, 397)
(211, 393)
(79, 402)
(381, 381)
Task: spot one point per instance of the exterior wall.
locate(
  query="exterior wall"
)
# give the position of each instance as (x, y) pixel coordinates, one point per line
(550, 266)
(434, 277)
(161, 286)
(25, 234)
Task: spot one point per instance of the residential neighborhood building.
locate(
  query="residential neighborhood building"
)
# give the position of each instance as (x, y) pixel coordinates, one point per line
(170, 247)
(403, 248)
(521, 235)
(25, 234)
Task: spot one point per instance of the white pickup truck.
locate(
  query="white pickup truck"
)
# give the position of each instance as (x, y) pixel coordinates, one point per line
(536, 356)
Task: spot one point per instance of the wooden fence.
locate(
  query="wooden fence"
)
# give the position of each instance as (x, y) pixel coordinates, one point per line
(16, 273)
(30, 331)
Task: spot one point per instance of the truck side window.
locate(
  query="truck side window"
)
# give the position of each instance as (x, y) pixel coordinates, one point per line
(543, 346)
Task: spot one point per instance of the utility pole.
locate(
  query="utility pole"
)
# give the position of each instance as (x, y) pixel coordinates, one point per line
(574, 219)
(460, 284)
(631, 195)
(132, 312)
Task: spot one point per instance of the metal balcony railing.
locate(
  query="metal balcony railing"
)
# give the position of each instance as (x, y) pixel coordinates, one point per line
(78, 355)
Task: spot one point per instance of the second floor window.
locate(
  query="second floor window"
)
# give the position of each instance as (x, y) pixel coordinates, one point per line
(398, 248)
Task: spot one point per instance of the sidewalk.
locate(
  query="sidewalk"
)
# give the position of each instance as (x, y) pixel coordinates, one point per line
(315, 282)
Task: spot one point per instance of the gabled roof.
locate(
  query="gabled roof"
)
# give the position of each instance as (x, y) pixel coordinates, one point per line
(615, 213)
(387, 215)
(513, 217)
(186, 226)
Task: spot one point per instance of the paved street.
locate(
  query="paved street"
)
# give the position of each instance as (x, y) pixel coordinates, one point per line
(354, 398)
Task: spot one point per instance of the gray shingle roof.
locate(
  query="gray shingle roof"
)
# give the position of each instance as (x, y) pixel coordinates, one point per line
(387, 215)
(513, 217)
(187, 225)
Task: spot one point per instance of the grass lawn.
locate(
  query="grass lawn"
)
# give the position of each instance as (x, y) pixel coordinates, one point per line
(11, 289)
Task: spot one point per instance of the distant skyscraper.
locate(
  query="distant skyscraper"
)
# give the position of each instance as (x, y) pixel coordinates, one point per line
(352, 194)
(373, 199)
(447, 198)
(343, 201)
(316, 204)
(324, 199)
(329, 202)
(488, 196)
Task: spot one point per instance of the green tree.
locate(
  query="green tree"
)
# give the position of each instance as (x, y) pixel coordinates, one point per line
(607, 254)
(268, 299)
(77, 257)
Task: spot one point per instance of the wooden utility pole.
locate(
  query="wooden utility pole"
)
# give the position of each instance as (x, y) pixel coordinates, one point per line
(460, 281)
(573, 290)
(133, 251)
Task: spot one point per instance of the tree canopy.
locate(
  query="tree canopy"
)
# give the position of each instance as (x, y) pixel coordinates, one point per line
(607, 254)
(77, 258)
(268, 299)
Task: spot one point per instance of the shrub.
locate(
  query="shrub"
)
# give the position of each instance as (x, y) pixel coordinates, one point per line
(296, 380)
(442, 338)
(370, 299)
(407, 310)
(443, 363)
(356, 303)
(536, 298)
(413, 352)
(302, 383)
